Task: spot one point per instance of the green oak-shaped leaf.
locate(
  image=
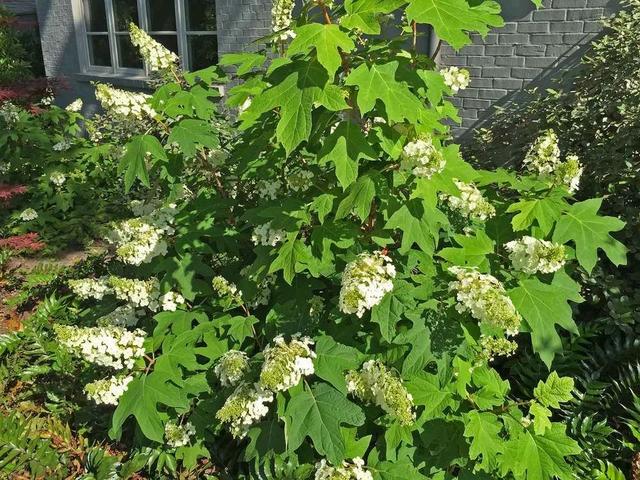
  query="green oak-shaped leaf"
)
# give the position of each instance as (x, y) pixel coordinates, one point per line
(358, 199)
(554, 391)
(389, 311)
(134, 161)
(472, 252)
(290, 255)
(420, 224)
(364, 15)
(428, 392)
(546, 211)
(452, 20)
(318, 412)
(483, 428)
(327, 39)
(541, 418)
(582, 225)
(141, 400)
(190, 133)
(544, 306)
(345, 146)
(245, 61)
(436, 88)
(540, 457)
(297, 87)
(400, 470)
(333, 359)
(378, 82)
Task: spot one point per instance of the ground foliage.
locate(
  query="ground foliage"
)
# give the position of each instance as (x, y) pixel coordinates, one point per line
(330, 257)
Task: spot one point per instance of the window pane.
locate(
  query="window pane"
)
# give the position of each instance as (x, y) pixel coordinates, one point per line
(201, 15)
(162, 15)
(96, 16)
(169, 41)
(99, 53)
(128, 56)
(203, 51)
(125, 12)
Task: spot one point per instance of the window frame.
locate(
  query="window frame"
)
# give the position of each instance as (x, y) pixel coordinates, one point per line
(82, 38)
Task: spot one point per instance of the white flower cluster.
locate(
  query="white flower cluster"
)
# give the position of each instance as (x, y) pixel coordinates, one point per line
(354, 470)
(170, 301)
(569, 172)
(86, 288)
(543, 158)
(422, 158)
(299, 180)
(268, 189)
(265, 235)
(57, 178)
(112, 346)
(245, 406)
(74, 106)
(377, 385)
(544, 155)
(281, 18)
(28, 215)
(492, 347)
(365, 281)
(178, 435)
(471, 204)
(108, 390)
(10, 113)
(231, 367)
(140, 240)
(139, 293)
(456, 78)
(531, 255)
(286, 363)
(156, 55)
(123, 316)
(226, 290)
(62, 145)
(485, 297)
(123, 103)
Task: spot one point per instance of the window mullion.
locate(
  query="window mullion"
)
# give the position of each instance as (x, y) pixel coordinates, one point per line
(113, 43)
(181, 31)
(143, 18)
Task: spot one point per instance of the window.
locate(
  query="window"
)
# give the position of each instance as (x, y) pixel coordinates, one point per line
(187, 27)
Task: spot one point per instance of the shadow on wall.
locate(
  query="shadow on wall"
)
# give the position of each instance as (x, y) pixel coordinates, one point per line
(559, 75)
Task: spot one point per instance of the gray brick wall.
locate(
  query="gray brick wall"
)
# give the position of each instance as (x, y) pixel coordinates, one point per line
(241, 22)
(532, 47)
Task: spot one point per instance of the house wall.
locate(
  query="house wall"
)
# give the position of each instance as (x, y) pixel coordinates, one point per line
(533, 47)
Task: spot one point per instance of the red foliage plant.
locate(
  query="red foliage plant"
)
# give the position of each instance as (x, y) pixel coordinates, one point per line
(29, 242)
(7, 192)
(30, 91)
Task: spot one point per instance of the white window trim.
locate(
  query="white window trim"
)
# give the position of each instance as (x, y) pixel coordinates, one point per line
(114, 71)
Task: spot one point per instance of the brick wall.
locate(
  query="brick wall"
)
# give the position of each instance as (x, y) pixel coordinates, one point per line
(532, 47)
(241, 22)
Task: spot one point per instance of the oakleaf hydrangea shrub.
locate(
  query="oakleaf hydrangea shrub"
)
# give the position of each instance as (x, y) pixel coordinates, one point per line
(344, 324)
